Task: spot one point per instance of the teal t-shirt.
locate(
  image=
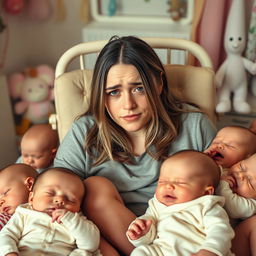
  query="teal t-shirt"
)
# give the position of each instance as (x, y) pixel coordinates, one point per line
(136, 183)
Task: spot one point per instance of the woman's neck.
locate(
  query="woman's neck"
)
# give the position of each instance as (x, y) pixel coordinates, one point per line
(138, 142)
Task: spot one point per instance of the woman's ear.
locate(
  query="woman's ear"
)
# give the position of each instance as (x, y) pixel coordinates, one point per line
(209, 190)
(160, 86)
(29, 181)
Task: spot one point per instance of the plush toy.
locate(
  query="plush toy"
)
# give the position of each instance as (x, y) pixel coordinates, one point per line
(13, 6)
(177, 9)
(33, 89)
(231, 77)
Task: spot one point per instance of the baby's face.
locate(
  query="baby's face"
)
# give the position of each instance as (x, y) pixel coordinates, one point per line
(230, 146)
(38, 160)
(244, 174)
(179, 182)
(13, 192)
(57, 190)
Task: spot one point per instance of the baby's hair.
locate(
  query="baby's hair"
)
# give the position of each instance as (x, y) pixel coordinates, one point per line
(44, 134)
(215, 170)
(27, 170)
(243, 128)
(55, 169)
(250, 131)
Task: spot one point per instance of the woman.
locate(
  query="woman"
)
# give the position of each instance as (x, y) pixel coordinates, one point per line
(133, 123)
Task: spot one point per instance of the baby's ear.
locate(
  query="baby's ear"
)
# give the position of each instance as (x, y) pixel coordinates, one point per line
(29, 181)
(30, 198)
(209, 190)
(253, 126)
(54, 151)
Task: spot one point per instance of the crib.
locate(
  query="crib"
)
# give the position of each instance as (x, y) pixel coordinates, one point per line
(188, 82)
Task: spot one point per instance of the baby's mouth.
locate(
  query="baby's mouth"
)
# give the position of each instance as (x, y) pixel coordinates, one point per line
(6, 209)
(215, 155)
(169, 197)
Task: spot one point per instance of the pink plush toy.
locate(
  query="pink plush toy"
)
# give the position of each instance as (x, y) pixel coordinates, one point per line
(34, 88)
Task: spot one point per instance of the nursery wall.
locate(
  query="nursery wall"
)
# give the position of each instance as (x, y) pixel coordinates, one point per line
(32, 43)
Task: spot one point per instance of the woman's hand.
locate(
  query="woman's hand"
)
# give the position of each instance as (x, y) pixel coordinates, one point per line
(138, 228)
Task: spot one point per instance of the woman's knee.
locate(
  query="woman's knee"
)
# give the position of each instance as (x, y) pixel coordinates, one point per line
(246, 226)
(99, 192)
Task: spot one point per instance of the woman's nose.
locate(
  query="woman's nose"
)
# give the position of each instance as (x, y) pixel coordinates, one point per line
(128, 101)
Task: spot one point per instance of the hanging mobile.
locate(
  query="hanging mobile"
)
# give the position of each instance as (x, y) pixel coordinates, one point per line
(112, 7)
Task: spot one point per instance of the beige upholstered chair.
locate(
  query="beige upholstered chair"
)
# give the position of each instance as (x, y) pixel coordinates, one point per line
(195, 84)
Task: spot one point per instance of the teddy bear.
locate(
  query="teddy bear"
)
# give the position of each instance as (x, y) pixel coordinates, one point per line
(32, 93)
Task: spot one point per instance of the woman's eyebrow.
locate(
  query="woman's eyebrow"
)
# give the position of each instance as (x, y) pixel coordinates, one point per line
(118, 85)
(113, 87)
(135, 83)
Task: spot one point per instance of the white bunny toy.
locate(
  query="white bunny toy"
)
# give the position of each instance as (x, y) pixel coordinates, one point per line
(231, 77)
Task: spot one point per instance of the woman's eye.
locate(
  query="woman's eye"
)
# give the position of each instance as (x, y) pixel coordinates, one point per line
(139, 89)
(113, 93)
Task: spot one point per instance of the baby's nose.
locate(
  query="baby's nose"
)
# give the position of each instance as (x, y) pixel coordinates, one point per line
(221, 145)
(1, 202)
(59, 200)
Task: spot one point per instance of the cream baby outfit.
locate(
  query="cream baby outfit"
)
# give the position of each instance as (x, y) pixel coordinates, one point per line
(185, 228)
(30, 232)
(236, 206)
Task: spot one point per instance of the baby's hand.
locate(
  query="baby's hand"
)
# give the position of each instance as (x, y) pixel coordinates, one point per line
(138, 228)
(58, 214)
(12, 254)
(230, 179)
(204, 253)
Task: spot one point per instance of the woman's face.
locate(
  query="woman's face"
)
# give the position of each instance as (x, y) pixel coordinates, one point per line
(126, 101)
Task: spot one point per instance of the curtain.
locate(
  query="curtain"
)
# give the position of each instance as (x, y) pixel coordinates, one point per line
(208, 28)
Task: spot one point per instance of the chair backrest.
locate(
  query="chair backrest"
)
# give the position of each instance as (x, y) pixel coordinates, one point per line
(191, 83)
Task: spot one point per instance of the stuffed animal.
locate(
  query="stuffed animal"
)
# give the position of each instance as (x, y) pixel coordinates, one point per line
(231, 77)
(33, 89)
(177, 9)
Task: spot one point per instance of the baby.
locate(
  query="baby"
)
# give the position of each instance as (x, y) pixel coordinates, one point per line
(231, 145)
(238, 186)
(39, 146)
(15, 184)
(51, 223)
(184, 217)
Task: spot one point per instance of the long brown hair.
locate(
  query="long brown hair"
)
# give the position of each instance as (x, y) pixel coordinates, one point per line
(108, 141)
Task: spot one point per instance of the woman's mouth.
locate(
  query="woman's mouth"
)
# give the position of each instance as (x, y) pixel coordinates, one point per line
(131, 118)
